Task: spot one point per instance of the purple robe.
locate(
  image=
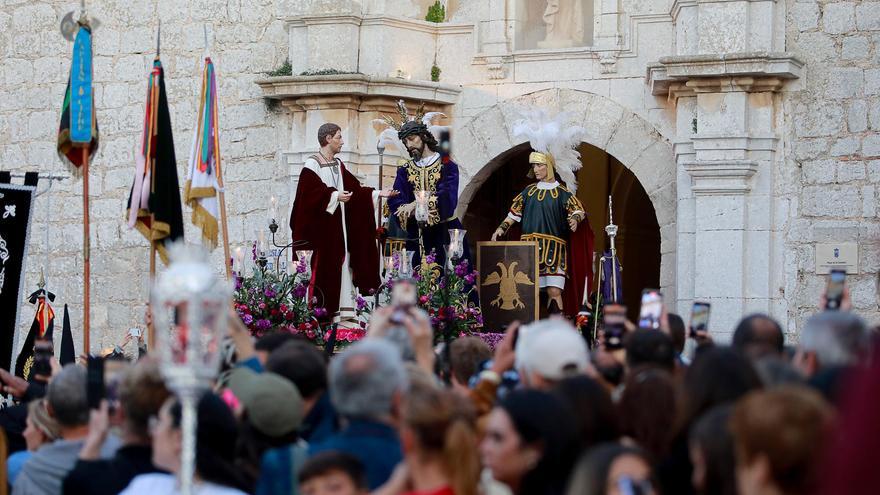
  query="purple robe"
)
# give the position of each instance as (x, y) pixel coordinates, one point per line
(441, 179)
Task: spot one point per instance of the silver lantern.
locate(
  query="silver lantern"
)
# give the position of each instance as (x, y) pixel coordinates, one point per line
(190, 305)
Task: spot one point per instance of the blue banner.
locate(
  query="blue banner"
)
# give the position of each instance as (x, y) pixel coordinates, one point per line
(81, 106)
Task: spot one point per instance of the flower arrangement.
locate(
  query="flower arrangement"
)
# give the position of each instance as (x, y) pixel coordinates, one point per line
(269, 302)
(447, 299)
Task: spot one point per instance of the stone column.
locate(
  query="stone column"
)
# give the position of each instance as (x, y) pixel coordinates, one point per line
(724, 80)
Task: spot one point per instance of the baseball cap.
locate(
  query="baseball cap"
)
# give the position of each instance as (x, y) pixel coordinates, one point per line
(554, 350)
(273, 404)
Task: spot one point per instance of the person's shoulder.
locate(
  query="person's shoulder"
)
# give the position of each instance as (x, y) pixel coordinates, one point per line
(150, 484)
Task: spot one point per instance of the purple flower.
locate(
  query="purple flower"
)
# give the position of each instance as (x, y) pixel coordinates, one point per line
(263, 324)
(431, 258)
(269, 292)
(300, 291)
(320, 312)
(247, 319)
(461, 270)
(361, 303)
(301, 266)
(469, 279)
(238, 283)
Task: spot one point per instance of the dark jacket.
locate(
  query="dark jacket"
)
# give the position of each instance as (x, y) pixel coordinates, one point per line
(109, 476)
(321, 422)
(375, 444)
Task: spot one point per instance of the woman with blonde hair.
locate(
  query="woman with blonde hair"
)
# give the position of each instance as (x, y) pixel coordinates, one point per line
(439, 441)
(41, 429)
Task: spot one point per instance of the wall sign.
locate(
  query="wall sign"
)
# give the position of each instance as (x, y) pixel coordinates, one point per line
(837, 256)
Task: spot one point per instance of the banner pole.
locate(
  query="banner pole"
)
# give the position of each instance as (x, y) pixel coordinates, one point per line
(221, 193)
(87, 263)
(152, 329)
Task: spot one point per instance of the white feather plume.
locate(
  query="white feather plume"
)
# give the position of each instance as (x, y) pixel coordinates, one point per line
(431, 119)
(555, 135)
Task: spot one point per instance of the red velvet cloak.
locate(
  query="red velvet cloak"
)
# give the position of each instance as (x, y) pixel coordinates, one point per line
(580, 265)
(322, 232)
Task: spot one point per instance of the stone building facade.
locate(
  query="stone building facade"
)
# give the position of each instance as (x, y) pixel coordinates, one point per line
(751, 125)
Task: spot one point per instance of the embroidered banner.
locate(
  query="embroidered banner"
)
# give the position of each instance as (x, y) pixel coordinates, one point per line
(16, 208)
(508, 282)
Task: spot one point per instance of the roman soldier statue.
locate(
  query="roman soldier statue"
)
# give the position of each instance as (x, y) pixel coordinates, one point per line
(549, 211)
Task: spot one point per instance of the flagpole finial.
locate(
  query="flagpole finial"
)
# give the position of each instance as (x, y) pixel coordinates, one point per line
(42, 282)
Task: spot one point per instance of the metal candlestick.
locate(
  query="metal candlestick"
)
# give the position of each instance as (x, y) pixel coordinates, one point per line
(611, 230)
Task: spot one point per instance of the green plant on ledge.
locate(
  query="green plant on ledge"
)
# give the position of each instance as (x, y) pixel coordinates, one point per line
(324, 72)
(285, 70)
(436, 13)
(435, 73)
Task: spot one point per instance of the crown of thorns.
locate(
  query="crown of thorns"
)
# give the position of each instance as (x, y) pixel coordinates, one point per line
(404, 117)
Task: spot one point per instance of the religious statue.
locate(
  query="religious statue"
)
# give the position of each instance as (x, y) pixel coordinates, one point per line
(549, 211)
(334, 215)
(564, 20)
(428, 183)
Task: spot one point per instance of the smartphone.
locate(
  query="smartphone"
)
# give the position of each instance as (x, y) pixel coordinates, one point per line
(614, 333)
(652, 308)
(613, 327)
(699, 317)
(834, 292)
(43, 352)
(95, 390)
(134, 332)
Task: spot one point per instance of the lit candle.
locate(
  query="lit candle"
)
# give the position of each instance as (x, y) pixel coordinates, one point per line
(261, 242)
(273, 209)
(239, 260)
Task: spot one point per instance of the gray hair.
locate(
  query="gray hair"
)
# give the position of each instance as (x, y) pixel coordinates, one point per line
(365, 378)
(67, 397)
(839, 338)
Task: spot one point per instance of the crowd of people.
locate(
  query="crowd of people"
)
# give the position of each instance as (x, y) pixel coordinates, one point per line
(540, 414)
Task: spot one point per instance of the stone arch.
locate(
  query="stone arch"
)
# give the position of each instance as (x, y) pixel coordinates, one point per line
(481, 145)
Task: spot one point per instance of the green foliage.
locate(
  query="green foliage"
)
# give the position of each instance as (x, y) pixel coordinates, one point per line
(435, 73)
(284, 70)
(436, 13)
(324, 72)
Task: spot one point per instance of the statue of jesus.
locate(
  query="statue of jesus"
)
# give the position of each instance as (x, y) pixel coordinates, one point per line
(565, 24)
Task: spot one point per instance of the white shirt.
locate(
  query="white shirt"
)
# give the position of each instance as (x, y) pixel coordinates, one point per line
(166, 484)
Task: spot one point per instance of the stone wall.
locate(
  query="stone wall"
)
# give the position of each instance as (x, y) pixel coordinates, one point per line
(247, 38)
(832, 127)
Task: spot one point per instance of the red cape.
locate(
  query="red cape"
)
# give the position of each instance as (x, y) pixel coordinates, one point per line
(322, 233)
(580, 264)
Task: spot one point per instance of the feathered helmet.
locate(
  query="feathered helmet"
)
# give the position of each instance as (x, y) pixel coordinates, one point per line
(395, 130)
(554, 141)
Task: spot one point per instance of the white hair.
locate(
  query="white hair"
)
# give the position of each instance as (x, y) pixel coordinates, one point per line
(365, 378)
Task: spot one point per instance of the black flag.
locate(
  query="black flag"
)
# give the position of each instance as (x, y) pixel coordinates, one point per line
(16, 209)
(68, 353)
(154, 203)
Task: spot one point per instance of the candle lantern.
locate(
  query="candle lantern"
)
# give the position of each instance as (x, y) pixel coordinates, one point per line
(456, 245)
(421, 213)
(190, 305)
(405, 268)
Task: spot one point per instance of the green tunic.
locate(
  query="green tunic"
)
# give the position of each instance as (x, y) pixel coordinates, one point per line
(544, 210)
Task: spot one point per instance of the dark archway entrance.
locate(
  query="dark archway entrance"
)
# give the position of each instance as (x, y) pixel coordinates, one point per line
(638, 238)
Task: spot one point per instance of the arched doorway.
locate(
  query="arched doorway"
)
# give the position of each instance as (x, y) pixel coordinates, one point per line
(638, 238)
